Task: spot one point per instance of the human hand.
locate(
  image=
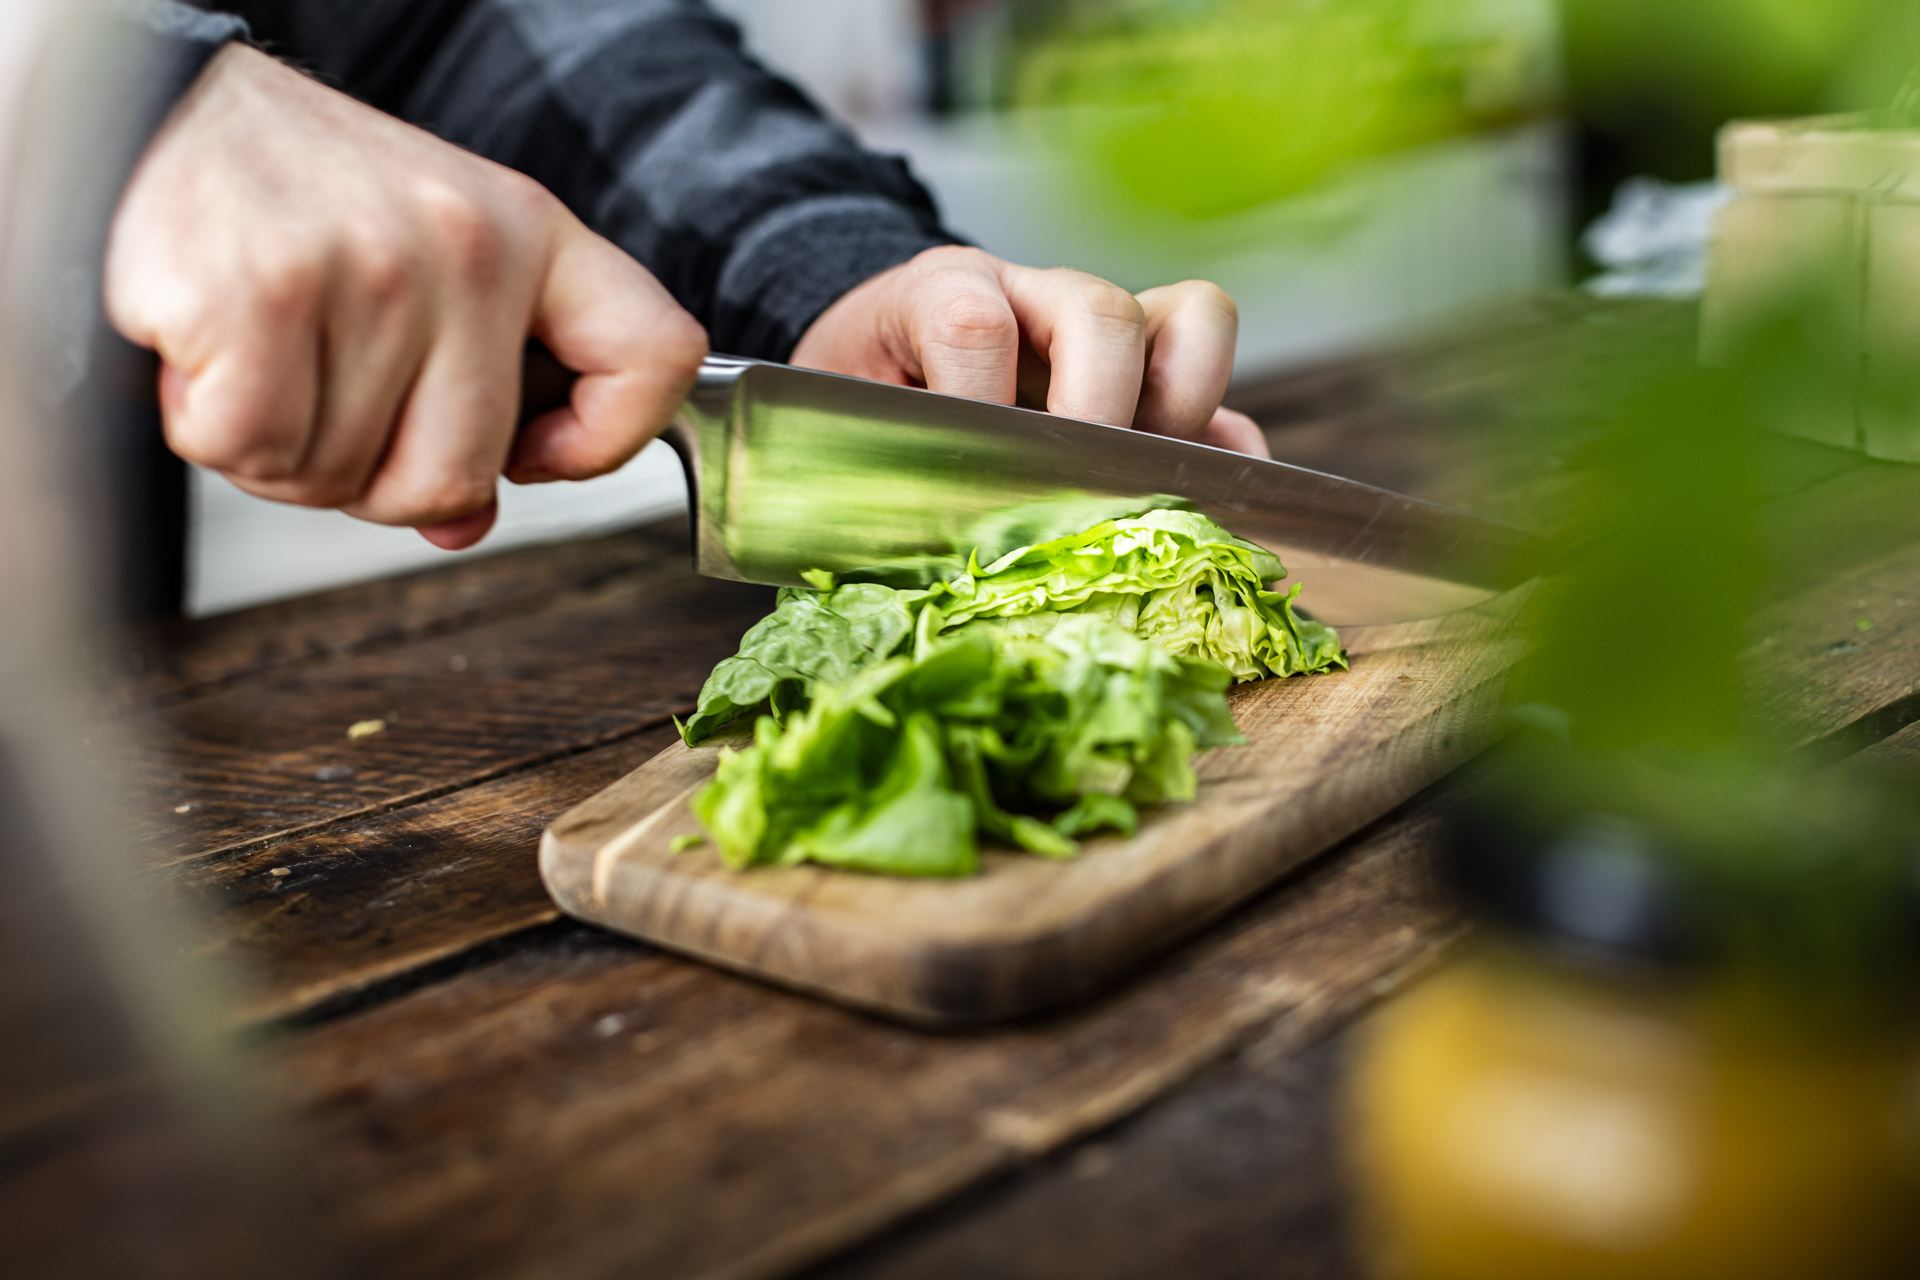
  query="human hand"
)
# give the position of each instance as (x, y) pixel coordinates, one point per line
(966, 323)
(341, 302)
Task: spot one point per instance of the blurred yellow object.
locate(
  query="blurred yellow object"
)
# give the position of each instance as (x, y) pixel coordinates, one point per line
(1515, 1119)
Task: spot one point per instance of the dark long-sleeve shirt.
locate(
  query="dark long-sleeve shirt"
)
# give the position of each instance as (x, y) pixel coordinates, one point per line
(644, 116)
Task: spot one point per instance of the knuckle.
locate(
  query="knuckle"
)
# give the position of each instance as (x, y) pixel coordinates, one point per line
(380, 267)
(288, 283)
(462, 227)
(974, 320)
(1108, 303)
(951, 257)
(520, 196)
(1207, 293)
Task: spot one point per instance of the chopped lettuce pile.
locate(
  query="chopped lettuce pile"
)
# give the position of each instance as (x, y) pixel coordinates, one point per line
(1172, 577)
(1033, 700)
(903, 767)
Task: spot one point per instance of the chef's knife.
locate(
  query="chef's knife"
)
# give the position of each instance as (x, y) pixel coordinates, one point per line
(790, 470)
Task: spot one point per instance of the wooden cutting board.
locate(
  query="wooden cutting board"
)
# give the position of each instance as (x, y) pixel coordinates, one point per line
(1325, 756)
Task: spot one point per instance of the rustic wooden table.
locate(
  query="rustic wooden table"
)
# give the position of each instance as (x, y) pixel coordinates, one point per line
(485, 1089)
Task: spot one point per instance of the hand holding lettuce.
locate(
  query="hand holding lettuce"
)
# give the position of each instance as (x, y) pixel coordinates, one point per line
(1037, 699)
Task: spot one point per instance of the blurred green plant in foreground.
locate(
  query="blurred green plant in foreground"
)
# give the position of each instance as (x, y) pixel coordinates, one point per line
(1211, 107)
(1695, 542)
(1652, 80)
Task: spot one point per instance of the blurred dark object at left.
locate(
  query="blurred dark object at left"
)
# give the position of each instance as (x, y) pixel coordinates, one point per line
(128, 1142)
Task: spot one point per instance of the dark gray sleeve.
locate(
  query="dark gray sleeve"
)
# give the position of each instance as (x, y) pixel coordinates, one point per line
(653, 126)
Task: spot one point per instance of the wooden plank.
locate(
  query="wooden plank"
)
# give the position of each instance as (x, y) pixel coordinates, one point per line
(267, 758)
(1325, 756)
(1236, 1175)
(1895, 759)
(1850, 556)
(306, 922)
(180, 659)
(589, 1108)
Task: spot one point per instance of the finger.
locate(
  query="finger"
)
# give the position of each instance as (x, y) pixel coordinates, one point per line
(1190, 331)
(458, 535)
(963, 337)
(1230, 429)
(637, 352)
(376, 341)
(444, 458)
(1092, 335)
(240, 380)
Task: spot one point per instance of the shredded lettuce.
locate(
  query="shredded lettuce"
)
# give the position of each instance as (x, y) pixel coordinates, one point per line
(1041, 698)
(1034, 743)
(1172, 577)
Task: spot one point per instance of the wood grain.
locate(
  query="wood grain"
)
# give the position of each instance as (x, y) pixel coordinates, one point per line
(1325, 756)
(311, 920)
(1236, 1174)
(590, 1108)
(270, 757)
(182, 658)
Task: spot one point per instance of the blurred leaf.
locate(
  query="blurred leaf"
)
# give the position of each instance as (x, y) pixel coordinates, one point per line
(1639, 642)
(1209, 109)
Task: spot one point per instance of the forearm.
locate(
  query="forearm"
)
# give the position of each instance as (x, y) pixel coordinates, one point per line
(650, 123)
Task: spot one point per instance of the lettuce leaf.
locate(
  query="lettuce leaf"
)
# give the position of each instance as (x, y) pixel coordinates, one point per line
(811, 636)
(1031, 742)
(1172, 577)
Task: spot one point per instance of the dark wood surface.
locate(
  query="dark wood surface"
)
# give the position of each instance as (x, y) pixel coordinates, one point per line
(480, 1088)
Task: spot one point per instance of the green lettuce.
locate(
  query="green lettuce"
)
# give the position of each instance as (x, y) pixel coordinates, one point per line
(1032, 742)
(810, 637)
(1172, 577)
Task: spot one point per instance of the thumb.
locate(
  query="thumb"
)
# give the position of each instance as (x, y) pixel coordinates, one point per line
(636, 352)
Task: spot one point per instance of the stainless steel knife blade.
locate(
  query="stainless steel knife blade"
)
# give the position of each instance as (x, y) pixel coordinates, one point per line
(792, 470)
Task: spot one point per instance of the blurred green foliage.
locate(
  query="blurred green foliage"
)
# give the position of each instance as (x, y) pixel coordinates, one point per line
(1209, 107)
(1685, 518)
(1213, 106)
(1640, 640)
(1651, 81)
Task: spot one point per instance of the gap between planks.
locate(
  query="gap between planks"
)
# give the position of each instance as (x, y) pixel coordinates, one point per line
(1285, 1018)
(425, 794)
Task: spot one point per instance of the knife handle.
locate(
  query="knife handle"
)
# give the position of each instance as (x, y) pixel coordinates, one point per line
(545, 383)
